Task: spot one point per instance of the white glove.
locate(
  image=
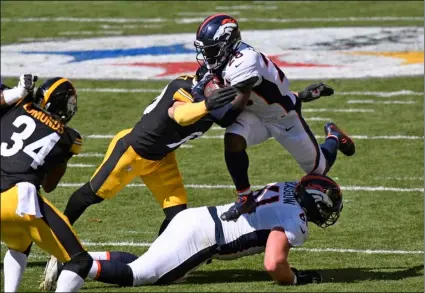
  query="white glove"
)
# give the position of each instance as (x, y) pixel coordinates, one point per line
(26, 81)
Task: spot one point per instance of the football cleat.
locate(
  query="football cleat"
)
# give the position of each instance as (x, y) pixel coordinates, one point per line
(244, 205)
(50, 274)
(346, 144)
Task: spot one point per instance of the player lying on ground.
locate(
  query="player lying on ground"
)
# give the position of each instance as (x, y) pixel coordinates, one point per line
(271, 110)
(36, 145)
(198, 235)
(9, 96)
(147, 149)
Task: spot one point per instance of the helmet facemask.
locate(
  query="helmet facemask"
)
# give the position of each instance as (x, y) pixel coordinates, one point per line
(214, 55)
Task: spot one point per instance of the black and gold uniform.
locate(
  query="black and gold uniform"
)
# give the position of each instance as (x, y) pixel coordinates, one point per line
(34, 141)
(147, 151)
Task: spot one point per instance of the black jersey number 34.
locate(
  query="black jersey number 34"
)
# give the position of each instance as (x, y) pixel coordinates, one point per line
(43, 145)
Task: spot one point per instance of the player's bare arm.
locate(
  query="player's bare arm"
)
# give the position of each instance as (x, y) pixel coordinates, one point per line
(53, 176)
(244, 91)
(276, 257)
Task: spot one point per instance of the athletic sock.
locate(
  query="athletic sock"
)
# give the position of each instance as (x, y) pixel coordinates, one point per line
(111, 272)
(330, 150)
(69, 282)
(79, 201)
(237, 164)
(119, 256)
(14, 266)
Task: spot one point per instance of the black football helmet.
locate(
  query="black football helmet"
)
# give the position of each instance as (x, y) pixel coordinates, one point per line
(321, 198)
(58, 97)
(216, 38)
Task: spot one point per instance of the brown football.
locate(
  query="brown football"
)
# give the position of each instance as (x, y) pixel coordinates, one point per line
(211, 86)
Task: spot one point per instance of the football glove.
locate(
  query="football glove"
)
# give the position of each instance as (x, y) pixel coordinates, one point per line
(315, 91)
(220, 98)
(244, 205)
(26, 84)
(307, 277)
(198, 89)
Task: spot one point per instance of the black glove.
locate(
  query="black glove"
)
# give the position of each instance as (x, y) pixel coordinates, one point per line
(315, 91)
(307, 277)
(220, 98)
(244, 205)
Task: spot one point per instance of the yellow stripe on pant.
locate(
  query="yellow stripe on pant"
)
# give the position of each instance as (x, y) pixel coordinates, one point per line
(52, 232)
(122, 164)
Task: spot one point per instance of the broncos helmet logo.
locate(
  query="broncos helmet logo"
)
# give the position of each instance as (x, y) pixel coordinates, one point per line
(225, 31)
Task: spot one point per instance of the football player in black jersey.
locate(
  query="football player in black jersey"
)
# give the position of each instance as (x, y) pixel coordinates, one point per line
(10, 96)
(35, 146)
(147, 149)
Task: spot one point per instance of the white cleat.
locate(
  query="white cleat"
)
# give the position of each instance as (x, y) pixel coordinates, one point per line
(50, 275)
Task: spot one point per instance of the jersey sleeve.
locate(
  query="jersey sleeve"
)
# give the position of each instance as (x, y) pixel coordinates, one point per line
(182, 95)
(242, 68)
(296, 231)
(76, 142)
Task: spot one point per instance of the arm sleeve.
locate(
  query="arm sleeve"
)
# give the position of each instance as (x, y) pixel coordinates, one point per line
(189, 113)
(225, 116)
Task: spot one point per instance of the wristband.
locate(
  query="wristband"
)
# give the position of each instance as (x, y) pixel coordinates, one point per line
(13, 95)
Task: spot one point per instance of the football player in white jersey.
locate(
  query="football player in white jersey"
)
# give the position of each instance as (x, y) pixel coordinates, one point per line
(270, 108)
(199, 235)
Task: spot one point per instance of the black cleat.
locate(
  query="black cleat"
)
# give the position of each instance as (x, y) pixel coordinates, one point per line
(245, 204)
(346, 144)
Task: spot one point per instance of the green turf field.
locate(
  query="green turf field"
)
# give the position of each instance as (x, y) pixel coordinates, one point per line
(378, 240)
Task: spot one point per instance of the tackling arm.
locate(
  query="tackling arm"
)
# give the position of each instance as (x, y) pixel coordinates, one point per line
(276, 257)
(186, 112)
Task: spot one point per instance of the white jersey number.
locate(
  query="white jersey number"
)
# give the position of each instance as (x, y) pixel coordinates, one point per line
(45, 144)
(155, 102)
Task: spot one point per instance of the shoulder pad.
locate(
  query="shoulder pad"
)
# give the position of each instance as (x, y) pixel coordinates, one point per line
(244, 65)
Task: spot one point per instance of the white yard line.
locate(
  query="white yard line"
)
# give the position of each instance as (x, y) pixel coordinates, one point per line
(382, 94)
(339, 250)
(367, 137)
(246, 7)
(364, 93)
(93, 155)
(400, 178)
(349, 110)
(81, 165)
(319, 119)
(84, 19)
(380, 102)
(224, 186)
(309, 19)
(200, 19)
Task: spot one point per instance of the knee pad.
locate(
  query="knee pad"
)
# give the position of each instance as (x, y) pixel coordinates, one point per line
(80, 264)
(234, 142)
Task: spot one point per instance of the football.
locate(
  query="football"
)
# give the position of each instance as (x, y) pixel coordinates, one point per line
(211, 86)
